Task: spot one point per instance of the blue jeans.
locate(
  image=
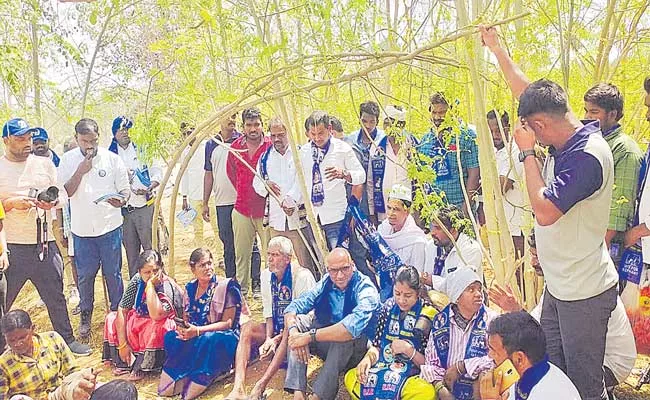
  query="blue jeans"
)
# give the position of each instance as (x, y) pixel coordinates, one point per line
(90, 253)
(356, 249)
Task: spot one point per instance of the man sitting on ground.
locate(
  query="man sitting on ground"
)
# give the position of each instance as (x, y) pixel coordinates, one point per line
(519, 338)
(400, 231)
(282, 282)
(334, 319)
(450, 255)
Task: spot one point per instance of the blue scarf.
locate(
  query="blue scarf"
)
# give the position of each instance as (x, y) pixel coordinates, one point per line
(265, 175)
(378, 164)
(476, 346)
(55, 158)
(317, 188)
(387, 377)
(384, 259)
(439, 262)
(323, 307)
(439, 154)
(282, 294)
(530, 378)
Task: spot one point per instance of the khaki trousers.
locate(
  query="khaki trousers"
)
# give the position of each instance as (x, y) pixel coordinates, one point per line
(245, 229)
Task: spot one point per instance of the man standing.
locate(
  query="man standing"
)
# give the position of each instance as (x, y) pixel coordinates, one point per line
(511, 173)
(97, 183)
(282, 282)
(277, 169)
(41, 143)
(216, 181)
(329, 164)
(249, 207)
(138, 212)
(571, 200)
(442, 145)
(33, 255)
(4, 264)
(334, 320)
(388, 165)
(604, 102)
(191, 189)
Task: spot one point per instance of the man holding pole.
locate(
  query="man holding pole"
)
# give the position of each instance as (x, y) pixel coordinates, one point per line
(571, 199)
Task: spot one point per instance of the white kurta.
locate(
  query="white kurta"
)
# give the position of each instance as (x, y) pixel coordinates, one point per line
(554, 385)
(509, 166)
(394, 173)
(409, 243)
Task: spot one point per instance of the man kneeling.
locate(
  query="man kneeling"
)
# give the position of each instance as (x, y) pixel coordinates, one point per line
(281, 283)
(334, 320)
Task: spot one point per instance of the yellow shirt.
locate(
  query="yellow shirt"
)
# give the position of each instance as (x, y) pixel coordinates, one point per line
(35, 377)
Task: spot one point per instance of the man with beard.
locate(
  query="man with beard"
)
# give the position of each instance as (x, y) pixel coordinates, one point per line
(451, 255)
(277, 169)
(41, 146)
(249, 207)
(33, 255)
(97, 183)
(441, 144)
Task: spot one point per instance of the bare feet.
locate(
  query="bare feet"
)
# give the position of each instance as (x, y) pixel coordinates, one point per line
(257, 392)
(237, 394)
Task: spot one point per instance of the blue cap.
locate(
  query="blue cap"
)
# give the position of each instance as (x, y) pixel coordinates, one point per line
(16, 127)
(40, 134)
(121, 122)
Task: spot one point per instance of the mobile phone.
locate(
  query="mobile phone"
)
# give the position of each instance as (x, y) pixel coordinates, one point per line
(509, 374)
(181, 322)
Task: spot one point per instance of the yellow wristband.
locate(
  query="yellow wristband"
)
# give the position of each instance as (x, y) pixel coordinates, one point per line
(122, 346)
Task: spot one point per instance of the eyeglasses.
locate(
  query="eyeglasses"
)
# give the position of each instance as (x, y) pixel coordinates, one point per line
(336, 271)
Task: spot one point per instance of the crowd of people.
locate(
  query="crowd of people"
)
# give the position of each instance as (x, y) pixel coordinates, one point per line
(365, 306)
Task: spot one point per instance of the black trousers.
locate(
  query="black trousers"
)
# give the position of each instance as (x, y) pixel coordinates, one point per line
(47, 277)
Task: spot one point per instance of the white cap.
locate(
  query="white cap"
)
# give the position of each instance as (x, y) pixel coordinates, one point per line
(400, 192)
(459, 280)
(392, 112)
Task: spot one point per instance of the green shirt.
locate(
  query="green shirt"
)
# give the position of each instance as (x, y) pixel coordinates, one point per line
(627, 163)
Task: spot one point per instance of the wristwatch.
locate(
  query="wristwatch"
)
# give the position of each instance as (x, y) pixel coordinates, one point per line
(525, 153)
(312, 333)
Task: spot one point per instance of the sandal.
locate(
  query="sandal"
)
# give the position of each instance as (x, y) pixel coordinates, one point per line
(135, 376)
(120, 371)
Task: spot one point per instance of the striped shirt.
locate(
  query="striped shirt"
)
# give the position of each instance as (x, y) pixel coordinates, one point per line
(432, 369)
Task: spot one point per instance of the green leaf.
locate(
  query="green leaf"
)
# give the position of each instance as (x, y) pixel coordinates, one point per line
(93, 17)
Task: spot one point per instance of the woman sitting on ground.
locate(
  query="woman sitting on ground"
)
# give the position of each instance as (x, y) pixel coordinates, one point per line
(390, 367)
(147, 310)
(39, 366)
(203, 347)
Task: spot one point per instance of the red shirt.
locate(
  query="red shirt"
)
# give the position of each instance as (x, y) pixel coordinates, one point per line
(248, 202)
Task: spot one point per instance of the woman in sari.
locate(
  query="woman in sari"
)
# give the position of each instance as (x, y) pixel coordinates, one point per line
(133, 335)
(203, 346)
(390, 367)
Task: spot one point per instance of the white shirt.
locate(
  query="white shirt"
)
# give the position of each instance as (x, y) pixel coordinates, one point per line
(301, 281)
(108, 175)
(395, 172)
(620, 349)
(130, 157)
(409, 243)
(224, 191)
(192, 180)
(470, 249)
(282, 171)
(509, 166)
(554, 385)
(339, 155)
